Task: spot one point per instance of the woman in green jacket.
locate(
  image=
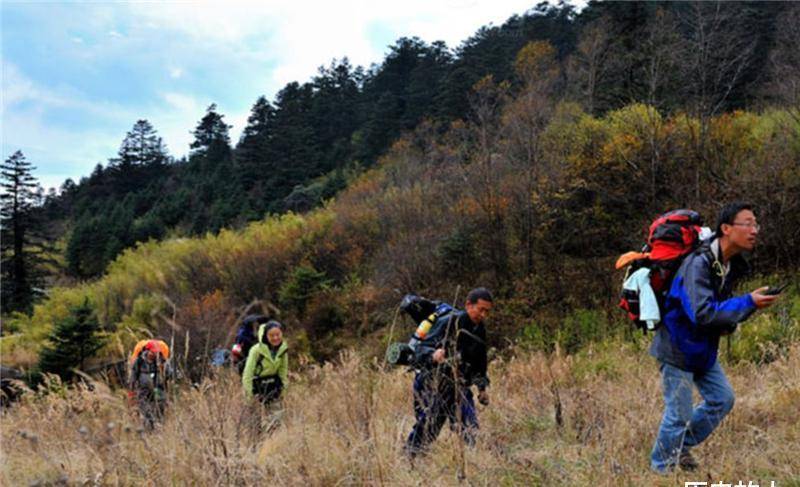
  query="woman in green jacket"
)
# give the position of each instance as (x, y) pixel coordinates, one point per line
(267, 368)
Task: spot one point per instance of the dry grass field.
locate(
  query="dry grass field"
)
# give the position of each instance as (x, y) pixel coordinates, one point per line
(345, 423)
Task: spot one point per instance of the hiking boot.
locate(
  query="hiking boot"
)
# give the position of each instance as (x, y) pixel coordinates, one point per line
(687, 462)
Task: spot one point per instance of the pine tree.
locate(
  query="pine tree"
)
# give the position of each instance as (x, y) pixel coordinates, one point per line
(73, 340)
(23, 243)
(210, 173)
(86, 247)
(335, 112)
(141, 157)
(297, 153)
(254, 150)
(211, 137)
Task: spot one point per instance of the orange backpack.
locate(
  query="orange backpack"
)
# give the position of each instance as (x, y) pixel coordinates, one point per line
(158, 346)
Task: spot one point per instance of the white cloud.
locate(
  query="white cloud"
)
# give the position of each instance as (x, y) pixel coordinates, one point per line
(175, 119)
(299, 36)
(190, 54)
(179, 115)
(16, 87)
(57, 153)
(181, 102)
(60, 152)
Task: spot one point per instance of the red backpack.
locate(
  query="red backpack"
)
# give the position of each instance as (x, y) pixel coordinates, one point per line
(672, 236)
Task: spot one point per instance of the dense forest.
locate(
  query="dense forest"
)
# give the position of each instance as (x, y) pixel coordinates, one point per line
(523, 159)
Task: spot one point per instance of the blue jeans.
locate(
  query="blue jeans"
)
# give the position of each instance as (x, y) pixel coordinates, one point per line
(683, 426)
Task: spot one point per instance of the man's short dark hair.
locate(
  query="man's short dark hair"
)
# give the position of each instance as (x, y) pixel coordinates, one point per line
(728, 214)
(479, 293)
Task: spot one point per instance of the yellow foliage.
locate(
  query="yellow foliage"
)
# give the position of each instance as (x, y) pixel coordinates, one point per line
(536, 60)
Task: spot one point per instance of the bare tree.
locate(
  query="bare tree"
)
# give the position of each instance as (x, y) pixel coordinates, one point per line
(524, 121)
(785, 62)
(483, 169)
(589, 66)
(662, 48)
(718, 50)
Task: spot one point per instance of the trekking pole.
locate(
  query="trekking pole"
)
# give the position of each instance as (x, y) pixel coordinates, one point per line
(461, 469)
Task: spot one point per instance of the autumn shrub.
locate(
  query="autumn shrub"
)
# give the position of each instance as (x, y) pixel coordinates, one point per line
(536, 207)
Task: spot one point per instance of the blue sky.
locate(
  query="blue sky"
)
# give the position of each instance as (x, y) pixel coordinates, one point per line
(77, 75)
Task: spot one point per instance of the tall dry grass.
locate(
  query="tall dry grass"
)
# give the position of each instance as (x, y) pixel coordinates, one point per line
(345, 423)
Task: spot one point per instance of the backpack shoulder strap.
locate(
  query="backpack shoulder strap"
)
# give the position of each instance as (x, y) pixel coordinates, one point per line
(259, 363)
(717, 269)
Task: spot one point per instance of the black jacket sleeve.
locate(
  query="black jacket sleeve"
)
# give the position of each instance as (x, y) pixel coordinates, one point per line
(479, 360)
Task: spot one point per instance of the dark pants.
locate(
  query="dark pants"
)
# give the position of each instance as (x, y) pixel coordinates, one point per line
(267, 389)
(434, 403)
(152, 404)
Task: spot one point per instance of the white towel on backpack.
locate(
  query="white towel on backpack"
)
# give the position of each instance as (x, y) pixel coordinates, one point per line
(639, 282)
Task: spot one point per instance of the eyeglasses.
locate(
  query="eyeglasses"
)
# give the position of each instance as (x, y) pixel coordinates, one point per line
(751, 225)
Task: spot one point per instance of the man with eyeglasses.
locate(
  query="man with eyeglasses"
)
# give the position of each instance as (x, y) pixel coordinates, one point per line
(698, 309)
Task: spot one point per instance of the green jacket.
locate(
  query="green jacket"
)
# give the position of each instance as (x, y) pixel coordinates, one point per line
(261, 364)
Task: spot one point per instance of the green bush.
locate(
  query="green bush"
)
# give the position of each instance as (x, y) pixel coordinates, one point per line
(303, 282)
(767, 336)
(580, 327)
(14, 323)
(534, 337)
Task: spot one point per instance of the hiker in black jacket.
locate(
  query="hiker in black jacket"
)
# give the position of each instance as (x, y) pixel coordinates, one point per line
(450, 358)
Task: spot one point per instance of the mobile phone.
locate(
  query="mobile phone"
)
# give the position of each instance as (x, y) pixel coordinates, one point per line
(774, 291)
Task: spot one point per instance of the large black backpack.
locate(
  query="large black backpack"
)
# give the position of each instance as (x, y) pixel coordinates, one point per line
(424, 312)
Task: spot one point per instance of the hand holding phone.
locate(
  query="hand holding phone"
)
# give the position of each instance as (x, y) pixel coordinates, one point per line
(761, 299)
(774, 291)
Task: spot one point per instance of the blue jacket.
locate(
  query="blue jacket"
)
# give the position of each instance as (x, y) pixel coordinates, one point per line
(698, 309)
(245, 335)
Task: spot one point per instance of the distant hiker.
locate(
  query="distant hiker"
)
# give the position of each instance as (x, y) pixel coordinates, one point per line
(150, 373)
(699, 309)
(450, 357)
(245, 339)
(267, 367)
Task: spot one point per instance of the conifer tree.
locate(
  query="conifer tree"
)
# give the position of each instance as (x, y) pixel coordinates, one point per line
(23, 242)
(73, 340)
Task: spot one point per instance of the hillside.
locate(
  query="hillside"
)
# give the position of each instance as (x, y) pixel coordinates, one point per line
(304, 145)
(443, 213)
